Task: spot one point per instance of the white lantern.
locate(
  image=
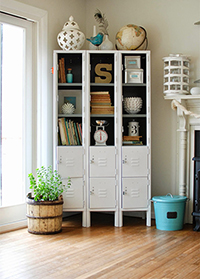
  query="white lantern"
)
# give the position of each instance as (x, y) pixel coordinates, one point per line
(176, 75)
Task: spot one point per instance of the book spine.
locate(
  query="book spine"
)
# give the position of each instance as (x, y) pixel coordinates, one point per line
(67, 130)
(62, 132)
(77, 139)
(79, 133)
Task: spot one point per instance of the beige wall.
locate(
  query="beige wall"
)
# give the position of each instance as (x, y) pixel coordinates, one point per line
(170, 27)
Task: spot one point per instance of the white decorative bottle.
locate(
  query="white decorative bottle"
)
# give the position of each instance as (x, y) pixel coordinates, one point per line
(91, 46)
(107, 44)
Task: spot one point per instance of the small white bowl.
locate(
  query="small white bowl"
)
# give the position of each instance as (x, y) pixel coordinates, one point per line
(132, 104)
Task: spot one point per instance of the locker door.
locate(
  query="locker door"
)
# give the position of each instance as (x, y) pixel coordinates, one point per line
(134, 193)
(73, 198)
(134, 161)
(102, 161)
(70, 161)
(102, 193)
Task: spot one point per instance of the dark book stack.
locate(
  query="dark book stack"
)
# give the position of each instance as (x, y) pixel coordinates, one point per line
(132, 140)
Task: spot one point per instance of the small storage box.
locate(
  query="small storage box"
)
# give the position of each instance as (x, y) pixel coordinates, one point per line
(134, 76)
(132, 62)
(169, 212)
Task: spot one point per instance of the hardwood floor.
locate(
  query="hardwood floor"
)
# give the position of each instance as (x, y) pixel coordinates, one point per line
(101, 251)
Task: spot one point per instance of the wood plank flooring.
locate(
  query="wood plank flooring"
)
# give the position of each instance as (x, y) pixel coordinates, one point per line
(101, 251)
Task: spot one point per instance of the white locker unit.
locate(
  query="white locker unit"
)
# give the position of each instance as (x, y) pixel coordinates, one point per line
(109, 171)
(69, 149)
(102, 161)
(70, 161)
(134, 192)
(102, 193)
(74, 197)
(134, 161)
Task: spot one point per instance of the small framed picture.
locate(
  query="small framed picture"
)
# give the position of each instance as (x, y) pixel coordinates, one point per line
(71, 100)
(70, 96)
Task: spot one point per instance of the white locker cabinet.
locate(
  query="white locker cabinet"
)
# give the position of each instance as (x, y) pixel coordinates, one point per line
(134, 193)
(70, 161)
(134, 161)
(102, 193)
(112, 173)
(73, 198)
(102, 161)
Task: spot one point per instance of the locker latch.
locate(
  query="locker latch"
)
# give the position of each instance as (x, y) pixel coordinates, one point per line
(125, 191)
(92, 160)
(125, 160)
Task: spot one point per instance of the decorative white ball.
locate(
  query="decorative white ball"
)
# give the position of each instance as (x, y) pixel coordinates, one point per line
(68, 108)
(132, 104)
(71, 38)
(195, 91)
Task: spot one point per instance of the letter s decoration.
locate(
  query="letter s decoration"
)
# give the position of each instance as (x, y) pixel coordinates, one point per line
(101, 73)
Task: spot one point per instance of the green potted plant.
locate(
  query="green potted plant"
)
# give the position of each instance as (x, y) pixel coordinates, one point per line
(45, 202)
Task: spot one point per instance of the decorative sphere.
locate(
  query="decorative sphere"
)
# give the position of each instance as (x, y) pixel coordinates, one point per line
(71, 38)
(68, 108)
(131, 37)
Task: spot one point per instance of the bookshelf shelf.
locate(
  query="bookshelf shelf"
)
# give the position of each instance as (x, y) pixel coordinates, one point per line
(134, 115)
(69, 115)
(102, 84)
(69, 84)
(133, 84)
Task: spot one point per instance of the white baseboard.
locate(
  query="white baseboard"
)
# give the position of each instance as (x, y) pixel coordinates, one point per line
(13, 226)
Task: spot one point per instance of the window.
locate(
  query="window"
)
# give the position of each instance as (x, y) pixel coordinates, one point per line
(15, 109)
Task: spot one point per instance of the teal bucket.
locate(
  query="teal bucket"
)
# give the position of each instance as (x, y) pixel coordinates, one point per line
(169, 212)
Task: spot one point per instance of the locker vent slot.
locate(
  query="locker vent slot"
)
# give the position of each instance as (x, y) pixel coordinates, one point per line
(70, 162)
(70, 193)
(135, 162)
(102, 193)
(102, 162)
(135, 193)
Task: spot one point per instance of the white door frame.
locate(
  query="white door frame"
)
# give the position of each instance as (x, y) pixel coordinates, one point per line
(40, 26)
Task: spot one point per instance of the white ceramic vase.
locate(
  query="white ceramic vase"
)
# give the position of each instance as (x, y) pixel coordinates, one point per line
(107, 44)
(71, 38)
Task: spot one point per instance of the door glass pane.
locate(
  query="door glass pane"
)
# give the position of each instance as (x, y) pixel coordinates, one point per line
(12, 87)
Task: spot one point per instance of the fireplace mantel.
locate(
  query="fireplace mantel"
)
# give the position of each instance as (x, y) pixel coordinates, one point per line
(185, 144)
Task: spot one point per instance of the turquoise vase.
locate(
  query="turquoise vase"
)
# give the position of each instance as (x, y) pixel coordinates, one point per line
(69, 76)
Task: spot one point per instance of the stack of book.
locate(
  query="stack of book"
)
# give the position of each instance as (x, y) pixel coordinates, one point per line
(61, 72)
(132, 140)
(101, 103)
(70, 132)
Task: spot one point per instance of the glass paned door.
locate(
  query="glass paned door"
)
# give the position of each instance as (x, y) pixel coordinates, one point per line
(15, 116)
(12, 190)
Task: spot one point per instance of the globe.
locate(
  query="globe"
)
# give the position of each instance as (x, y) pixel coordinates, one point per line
(131, 37)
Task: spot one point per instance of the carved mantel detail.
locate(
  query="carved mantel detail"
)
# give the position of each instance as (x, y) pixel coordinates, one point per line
(188, 113)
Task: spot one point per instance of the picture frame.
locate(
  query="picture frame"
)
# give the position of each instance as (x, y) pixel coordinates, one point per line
(72, 96)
